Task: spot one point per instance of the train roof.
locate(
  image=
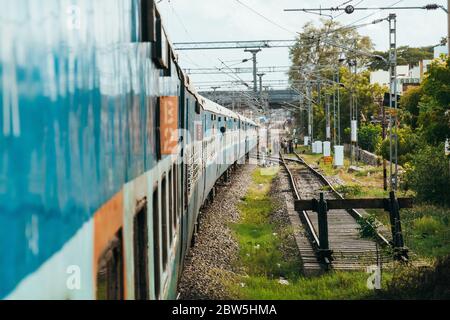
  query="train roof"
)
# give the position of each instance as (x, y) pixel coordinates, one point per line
(248, 120)
(207, 104)
(211, 106)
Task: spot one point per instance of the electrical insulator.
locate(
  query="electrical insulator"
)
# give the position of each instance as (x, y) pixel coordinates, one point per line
(349, 9)
(354, 131)
(431, 7)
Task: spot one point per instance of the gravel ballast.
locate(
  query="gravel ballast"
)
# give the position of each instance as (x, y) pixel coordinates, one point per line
(212, 259)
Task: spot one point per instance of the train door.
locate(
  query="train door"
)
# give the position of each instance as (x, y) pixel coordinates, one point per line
(236, 140)
(205, 153)
(141, 280)
(181, 168)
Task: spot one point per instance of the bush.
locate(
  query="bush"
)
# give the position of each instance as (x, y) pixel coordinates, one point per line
(368, 227)
(427, 226)
(408, 143)
(428, 175)
(421, 282)
(369, 137)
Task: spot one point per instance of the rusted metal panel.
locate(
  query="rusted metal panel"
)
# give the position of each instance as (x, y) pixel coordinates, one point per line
(169, 124)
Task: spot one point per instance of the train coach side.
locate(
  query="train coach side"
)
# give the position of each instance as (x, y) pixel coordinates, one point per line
(106, 156)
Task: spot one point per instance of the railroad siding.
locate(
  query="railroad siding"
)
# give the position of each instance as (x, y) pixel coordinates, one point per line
(311, 266)
(350, 251)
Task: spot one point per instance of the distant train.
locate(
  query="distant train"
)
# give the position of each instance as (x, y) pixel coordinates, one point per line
(107, 152)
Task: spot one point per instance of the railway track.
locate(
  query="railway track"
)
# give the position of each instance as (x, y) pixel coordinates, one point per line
(350, 251)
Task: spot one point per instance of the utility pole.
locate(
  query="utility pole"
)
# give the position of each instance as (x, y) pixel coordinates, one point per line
(310, 113)
(260, 75)
(328, 118)
(338, 74)
(353, 110)
(301, 103)
(393, 128)
(448, 33)
(214, 93)
(334, 111)
(255, 70)
(383, 111)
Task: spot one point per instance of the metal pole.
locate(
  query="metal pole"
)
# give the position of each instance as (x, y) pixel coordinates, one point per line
(323, 224)
(328, 118)
(448, 34)
(385, 185)
(334, 111)
(255, 69)
(302, 122)
(393, 132)
(355, 111)
(339, 105)
(351, 110)
(260, 75)
(310, 114)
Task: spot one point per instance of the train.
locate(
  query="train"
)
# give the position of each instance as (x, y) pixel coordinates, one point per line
(107, 152)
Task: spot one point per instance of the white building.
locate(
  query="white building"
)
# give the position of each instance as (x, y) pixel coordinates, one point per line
(405, 75)
(440, 50)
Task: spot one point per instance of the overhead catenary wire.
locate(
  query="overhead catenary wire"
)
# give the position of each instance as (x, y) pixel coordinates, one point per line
(187, 57)
(374, 13)
(264, 17)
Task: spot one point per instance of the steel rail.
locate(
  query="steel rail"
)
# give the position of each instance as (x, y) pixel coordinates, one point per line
(353, 212)
(304, 215)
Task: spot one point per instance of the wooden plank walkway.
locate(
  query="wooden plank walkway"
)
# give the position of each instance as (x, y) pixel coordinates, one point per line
(350, 251)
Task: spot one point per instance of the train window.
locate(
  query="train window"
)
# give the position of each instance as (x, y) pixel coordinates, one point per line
(175, 196)
(164, 221)
(161, 50)
(168, 71)
(197, 107)
(187, 114)
(156, 244)
(220, 118)
(170, 206)
(141, 283)
(110, 271)
(148, 17)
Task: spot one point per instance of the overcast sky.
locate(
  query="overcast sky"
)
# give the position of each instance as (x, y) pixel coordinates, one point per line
(219, 20)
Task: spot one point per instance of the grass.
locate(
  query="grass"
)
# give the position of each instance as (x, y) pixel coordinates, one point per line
(259, 240)
(331, 286)
(426, 229)
(264, 263)
(369, 180)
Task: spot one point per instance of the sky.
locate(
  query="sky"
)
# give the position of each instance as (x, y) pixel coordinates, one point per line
(229, 20)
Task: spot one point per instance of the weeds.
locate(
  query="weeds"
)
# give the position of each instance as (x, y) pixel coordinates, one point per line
(368, 226)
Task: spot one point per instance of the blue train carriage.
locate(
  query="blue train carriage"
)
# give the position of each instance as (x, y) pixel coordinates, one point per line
(81, 155)
(106, 157)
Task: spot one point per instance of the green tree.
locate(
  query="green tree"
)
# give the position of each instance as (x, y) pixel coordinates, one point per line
(409, 103)
(405, 56)
(428, 174)
(408, 142)
(317, 49)
(316, 56)
(369, 137)
(434, 115)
